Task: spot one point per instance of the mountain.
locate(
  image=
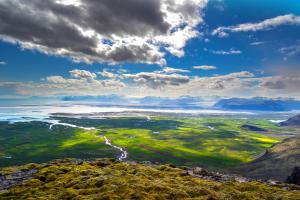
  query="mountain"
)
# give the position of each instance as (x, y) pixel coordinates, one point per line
(148, 101)
(277, 162)
(109, 179)
(259, 104)
(293, 121)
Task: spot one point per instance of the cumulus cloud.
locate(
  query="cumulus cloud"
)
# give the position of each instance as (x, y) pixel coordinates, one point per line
(56, 79)
(267, 24)
(221, 82)
(205, 67)
(157, 80)
(80, 82)
(2, 63)
(110, 31)
(238, 84)
(107, 74)
(76, 73)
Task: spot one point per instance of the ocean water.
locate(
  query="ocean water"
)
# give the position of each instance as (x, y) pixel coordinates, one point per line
(14, 114)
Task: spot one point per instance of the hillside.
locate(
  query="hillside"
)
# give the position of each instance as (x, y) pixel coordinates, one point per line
(293, 121)
(108, 179)
(277, 163)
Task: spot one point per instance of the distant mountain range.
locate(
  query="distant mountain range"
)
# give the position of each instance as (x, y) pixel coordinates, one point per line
(259, 104)
(189, 102)
(183, 102)
(149, 101)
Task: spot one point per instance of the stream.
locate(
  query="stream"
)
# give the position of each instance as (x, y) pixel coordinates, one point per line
(124, 153)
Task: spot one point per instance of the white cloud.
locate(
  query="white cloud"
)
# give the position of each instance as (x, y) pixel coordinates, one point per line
(290, 51)
(257, 43)
(238, 84)
(205, 67)
(2, 63)
(56, 79)
(267, 24)
(108, 74)
(171, 70)
(76, 73)
(229, 52)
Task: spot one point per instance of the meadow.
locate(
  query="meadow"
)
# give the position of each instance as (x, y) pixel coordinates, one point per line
(211, 142)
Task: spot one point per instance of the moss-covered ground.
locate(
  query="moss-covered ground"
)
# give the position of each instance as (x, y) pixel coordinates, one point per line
(106, 179)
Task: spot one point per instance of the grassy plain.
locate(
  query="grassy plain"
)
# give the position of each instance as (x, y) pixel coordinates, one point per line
(213, 142)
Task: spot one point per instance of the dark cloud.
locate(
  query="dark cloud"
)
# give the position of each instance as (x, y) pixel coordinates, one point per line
(274, 84)
(158, 80)
(287, 83)
(134, 17)
(29, 23)
(97, 31)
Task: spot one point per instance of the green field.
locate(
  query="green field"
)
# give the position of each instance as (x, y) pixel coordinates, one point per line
(213, 142)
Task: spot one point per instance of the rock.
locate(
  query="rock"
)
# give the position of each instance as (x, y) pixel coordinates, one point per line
(11, 180)
(200, 171)
(294, 178)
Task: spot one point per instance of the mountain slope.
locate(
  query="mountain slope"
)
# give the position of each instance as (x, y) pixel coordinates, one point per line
(293, 121)
(106, 179)
(277, 163)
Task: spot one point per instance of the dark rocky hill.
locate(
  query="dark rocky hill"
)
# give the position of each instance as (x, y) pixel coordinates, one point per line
(293, 121)
(277, 163)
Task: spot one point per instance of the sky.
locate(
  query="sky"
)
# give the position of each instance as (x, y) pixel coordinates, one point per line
(138, 48)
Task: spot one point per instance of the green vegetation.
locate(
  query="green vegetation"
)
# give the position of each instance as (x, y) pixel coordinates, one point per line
(107, 179)
(213, 142)
(34, 142)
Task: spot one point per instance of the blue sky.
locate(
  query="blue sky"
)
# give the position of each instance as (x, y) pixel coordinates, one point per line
(262, 60)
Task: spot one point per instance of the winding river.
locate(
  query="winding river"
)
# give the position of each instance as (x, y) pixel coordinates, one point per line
(124, 153)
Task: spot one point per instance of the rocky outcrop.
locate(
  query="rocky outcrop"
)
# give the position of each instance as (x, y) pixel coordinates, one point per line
(11, 180)
(215, 176)
(294, 178)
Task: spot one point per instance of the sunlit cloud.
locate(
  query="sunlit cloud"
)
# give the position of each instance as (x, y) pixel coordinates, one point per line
(264, 25)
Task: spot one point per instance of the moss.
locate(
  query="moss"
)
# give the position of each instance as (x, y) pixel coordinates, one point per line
(107, 179)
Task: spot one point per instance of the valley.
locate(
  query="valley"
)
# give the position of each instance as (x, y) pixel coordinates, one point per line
(214, 142)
